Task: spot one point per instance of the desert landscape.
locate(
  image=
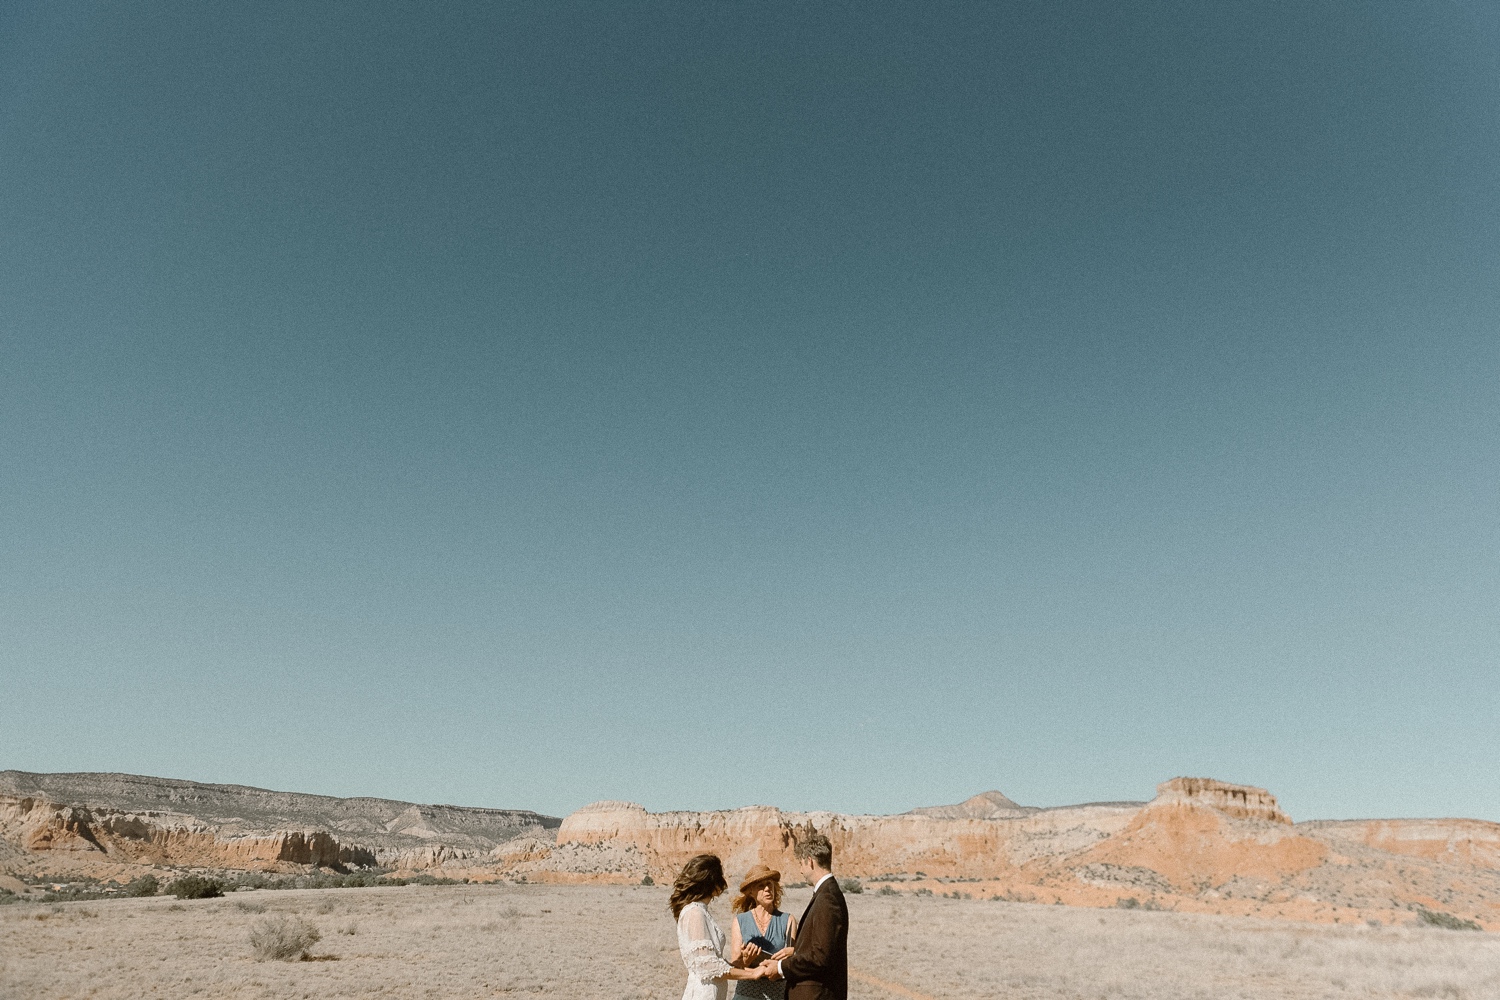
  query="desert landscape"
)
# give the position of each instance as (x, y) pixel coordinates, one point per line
(1208, 890)
(553, 940)
(1025, 469)
(1200, 846)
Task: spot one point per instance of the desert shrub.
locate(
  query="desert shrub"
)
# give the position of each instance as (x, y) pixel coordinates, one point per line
(244, 907)
(886, 890)
(74, 893)
(851, 885)
(648, 880)
(434, 880)
(195, 887)
(1128, 903)
(356, 880)
(1447, 921)
(146, 885)
(281, 938)
(923, 892)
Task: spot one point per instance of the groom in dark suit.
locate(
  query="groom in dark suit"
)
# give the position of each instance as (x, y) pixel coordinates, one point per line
(818, 967)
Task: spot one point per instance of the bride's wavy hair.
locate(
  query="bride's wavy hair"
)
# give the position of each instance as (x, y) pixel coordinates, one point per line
(746, 900)
(700, 880)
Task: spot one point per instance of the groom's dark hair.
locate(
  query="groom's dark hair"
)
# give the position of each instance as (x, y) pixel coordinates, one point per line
(816, 847)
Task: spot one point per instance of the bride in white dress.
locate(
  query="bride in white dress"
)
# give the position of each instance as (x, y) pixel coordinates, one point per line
(699, 938)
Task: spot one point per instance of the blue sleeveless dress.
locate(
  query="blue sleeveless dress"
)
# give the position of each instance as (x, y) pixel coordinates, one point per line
(772, 941)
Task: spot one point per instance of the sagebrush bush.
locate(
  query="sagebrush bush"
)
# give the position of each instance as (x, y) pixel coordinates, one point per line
(282, 938)
(195, 887)
(851, 885)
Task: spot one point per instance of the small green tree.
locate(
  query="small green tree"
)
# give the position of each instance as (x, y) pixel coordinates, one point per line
(145, 885)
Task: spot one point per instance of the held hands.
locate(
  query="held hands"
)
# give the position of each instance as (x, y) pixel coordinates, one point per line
(767, 970)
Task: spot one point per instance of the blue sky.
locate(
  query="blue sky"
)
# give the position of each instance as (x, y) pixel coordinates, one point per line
(836, 406)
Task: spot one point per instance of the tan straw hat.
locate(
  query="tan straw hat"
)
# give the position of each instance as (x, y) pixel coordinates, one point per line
(760, 873)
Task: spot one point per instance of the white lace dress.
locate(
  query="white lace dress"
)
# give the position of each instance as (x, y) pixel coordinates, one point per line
(703, 946)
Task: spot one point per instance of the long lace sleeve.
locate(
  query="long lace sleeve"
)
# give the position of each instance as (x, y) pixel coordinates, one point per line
(702, 949)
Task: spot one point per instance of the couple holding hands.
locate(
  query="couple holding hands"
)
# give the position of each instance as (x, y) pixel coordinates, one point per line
(769, 956)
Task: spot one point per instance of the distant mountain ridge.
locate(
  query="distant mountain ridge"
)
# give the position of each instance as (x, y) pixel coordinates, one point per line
(148, 819)
(257, 808)
(985, 805)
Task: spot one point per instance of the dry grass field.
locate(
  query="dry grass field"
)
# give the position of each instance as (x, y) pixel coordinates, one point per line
(519, 940)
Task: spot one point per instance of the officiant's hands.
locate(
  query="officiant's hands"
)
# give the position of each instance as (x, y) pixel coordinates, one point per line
(750, 954)
(783, 954)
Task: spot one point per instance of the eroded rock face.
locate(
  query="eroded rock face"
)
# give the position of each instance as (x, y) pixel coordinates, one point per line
(40, 825)
(1194, 847)
(166, 821)
(1239, 801)
(864, 845)
(1452, 841)
(1201, 845)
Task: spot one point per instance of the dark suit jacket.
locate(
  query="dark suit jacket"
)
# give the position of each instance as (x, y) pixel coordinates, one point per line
(819, 967)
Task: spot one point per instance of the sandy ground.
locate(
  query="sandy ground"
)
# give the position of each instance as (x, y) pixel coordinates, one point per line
(576, 941)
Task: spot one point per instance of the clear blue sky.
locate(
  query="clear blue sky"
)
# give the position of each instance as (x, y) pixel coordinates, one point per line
(852, 406)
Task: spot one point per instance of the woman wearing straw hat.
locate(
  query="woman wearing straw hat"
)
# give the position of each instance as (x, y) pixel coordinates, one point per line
(760, 931)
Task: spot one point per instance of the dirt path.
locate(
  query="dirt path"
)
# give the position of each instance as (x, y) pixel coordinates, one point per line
(896, 988)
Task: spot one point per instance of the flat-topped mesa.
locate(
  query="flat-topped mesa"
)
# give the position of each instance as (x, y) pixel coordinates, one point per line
(1239, 801)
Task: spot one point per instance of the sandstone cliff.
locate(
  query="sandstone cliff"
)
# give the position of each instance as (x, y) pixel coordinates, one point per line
(1199, 845)
(137, 819)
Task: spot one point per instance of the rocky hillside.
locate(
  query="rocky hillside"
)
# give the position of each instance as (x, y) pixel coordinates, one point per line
(985, 805)
(1200, 845)
(130, 818)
